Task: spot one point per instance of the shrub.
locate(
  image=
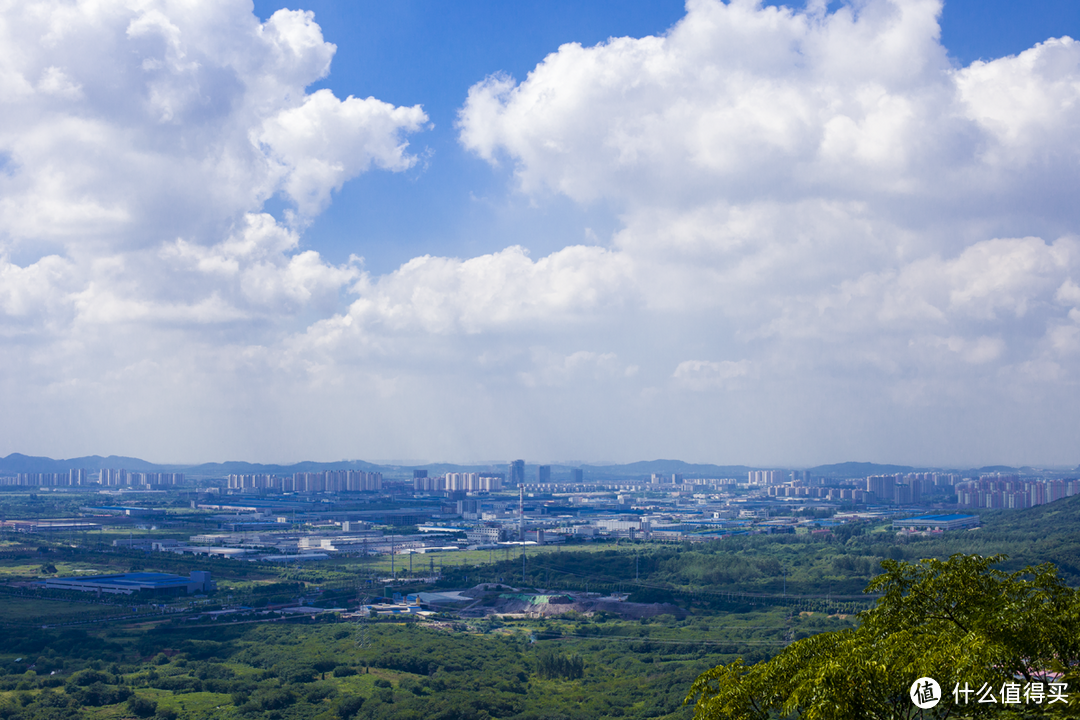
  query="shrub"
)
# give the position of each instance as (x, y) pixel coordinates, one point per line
(140, 706)
(273, 699)
(99, 694)
(348, 707)
(325, 665)
(84, 678)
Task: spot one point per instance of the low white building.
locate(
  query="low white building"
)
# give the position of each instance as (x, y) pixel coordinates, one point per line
(485, 534)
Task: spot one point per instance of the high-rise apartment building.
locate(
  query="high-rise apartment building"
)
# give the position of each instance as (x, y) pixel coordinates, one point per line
(113, 478)
(543, 474)
(765, 477)
(60, 479)
(517, 473)
(333, 481)
(429, 484)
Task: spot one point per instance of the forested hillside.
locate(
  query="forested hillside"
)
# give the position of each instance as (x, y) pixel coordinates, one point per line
(742, 597)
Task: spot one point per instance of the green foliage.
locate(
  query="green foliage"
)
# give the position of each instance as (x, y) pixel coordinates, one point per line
(348, 707)
(141, 706)
(958, 621)
(273, 699)
(99, 694)
(551, 666)
(731, 602)
(319, 691)
(83, 678)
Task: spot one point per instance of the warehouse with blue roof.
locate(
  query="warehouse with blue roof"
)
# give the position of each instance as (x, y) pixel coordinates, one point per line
(938, 522)
(137, 582)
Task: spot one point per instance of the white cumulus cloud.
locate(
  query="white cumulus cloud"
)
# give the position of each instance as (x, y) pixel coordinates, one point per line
(825, 194)
(138, 146)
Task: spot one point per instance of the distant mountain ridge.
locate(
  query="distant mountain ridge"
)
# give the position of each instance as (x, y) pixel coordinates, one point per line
(18, 463)
(237, 467)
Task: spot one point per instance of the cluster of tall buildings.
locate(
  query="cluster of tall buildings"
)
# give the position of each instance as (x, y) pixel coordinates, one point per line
(826, 493)
(908, 489)
(62, 479)
(766, 477)
(988, 491)
(108, 477)
(1009, 491)
(122, 478)
(326, 481)
(457, 482)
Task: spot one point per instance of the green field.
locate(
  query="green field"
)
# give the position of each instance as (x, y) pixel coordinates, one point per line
(743, 597)
(36, 611)
(629, 669)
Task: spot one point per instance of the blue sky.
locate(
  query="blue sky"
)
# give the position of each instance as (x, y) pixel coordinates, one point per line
(729, 233)
(431, 53)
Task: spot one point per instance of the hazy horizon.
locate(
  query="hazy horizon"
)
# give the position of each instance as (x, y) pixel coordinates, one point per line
(556, 463)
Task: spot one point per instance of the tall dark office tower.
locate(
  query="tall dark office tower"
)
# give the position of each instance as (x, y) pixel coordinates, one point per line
(517, 472)
(419, 474)
(543, 474)
(579, 475)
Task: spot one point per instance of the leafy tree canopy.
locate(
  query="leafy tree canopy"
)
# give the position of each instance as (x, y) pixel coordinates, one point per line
(960, 621)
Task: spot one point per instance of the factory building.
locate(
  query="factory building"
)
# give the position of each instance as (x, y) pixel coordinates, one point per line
(139, 582)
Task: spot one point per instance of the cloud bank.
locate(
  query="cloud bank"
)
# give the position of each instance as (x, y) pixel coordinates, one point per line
(833, 242)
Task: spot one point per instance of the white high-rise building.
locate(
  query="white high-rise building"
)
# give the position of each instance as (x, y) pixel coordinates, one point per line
(766, 477)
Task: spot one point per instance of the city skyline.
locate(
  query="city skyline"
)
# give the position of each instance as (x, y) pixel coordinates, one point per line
(779, 236)
(117, 469)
